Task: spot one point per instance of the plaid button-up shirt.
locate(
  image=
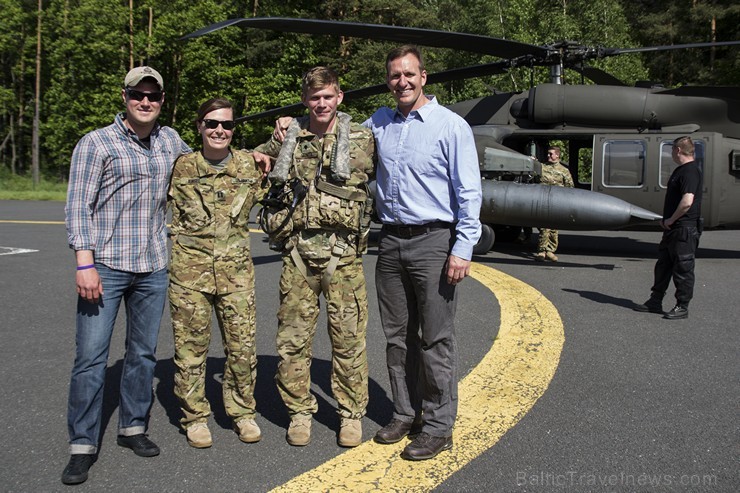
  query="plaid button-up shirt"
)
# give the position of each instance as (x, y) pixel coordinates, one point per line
(117, 196)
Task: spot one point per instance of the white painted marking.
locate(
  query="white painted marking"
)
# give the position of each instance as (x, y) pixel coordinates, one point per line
(13, 251)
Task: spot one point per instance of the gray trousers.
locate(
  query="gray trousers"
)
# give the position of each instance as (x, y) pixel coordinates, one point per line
(417, 311)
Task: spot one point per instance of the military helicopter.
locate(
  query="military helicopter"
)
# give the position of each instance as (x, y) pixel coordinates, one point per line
(620, 136)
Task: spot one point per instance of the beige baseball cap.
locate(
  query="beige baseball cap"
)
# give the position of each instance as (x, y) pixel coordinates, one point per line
(138, 74)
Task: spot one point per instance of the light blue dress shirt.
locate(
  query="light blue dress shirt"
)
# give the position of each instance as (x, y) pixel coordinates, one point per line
(428, 171)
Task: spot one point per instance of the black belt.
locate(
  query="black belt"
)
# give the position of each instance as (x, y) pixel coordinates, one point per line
(411, 230)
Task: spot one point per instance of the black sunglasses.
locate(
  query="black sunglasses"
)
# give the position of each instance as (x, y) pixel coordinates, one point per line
(213, 124)
(154, 97)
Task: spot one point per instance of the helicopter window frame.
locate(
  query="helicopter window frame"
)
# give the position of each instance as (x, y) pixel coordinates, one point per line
(668, 165)
(623, 163)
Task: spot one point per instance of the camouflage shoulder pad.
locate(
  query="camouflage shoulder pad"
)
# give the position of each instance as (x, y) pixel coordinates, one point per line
(184, 163)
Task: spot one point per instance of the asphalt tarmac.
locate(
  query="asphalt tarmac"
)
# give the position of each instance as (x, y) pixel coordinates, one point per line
(637, 403)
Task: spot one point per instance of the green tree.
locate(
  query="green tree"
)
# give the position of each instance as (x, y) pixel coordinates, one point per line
(86, 51)
(664, 22)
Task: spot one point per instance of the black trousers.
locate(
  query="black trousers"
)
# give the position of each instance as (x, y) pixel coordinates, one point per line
(676, 254)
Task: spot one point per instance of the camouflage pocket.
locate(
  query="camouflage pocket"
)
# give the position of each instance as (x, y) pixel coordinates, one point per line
(333, 207)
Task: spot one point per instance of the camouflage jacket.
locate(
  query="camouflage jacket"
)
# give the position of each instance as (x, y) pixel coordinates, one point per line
(311, 152)
(555, 174)
(210, 215)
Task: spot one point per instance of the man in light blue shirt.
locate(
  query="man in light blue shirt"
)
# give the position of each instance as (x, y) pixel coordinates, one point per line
(428, 199)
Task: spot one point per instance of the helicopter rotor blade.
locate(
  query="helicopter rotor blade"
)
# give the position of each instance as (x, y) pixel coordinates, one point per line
(620, 51)
(292, 109)
(426, 37)
(211, 28)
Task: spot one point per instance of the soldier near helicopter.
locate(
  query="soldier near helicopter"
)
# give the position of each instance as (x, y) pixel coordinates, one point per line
(322, 237)
(553, 173)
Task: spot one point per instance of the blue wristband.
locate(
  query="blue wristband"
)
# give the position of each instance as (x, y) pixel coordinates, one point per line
(85, 267)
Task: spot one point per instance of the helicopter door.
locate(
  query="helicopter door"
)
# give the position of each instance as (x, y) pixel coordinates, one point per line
(636, 167)
(625, 166)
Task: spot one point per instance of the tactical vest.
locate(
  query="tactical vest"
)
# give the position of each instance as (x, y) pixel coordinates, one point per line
(314, 196)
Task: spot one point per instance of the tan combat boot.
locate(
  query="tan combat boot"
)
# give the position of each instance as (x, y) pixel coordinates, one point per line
(540, 257)
(350, 433)
(199, 436)
(248, 430)
(299, 431)
(551, 257)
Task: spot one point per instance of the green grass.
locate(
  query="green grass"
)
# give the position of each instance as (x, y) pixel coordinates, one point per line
(15, 187)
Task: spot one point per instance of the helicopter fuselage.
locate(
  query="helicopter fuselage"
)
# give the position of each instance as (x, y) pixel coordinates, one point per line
(617, 140)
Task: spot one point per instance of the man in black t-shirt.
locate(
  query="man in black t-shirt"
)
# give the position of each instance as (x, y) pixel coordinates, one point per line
(681, 225)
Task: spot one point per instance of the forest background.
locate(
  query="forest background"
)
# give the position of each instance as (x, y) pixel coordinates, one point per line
(74, 54)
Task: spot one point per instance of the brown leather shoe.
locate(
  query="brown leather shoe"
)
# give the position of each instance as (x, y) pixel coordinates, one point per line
(426, 446)
(395, 430)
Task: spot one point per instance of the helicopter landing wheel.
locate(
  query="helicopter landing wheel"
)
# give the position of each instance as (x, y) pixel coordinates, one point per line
(487, 237)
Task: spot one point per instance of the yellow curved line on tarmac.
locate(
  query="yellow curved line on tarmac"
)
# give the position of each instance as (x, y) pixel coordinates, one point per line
(493, 398)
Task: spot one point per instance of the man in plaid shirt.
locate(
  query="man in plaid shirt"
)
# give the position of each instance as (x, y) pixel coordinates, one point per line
(115, 217)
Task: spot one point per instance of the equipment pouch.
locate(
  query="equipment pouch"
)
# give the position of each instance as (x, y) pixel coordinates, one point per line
(334, 207)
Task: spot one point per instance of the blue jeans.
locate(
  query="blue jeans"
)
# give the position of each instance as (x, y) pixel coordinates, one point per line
(144, 295)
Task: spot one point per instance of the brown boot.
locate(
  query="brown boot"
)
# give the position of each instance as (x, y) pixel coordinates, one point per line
(350, 433)
(248, 430)
(540, 257)
(551, 257)
(199, 436)
(299, 431)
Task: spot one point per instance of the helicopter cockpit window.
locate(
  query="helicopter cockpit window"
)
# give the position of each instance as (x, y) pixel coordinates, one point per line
(667, 165)
(624, 163)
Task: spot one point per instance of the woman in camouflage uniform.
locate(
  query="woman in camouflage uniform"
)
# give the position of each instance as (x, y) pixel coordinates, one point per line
(211, 193)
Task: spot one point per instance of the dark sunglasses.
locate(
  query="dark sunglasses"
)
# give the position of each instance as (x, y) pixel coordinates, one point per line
(154, 97)
(213, 124)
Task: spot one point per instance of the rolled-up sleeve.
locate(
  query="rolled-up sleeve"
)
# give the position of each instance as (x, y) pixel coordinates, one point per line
(82, 193)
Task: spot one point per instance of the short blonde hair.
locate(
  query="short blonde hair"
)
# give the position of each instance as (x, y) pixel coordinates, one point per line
(319, 77)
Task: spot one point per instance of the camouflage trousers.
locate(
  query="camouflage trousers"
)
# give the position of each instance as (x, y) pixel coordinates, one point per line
(191, 313)
(548, 240)
(346, 306)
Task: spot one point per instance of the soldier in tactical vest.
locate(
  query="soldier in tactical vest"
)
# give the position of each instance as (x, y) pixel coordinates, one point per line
(211, 194)
(323, 165)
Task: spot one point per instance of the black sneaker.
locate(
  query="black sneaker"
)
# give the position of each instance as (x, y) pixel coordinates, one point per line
(677, 312)
(650, 306)
(77, 467)
(140, 444)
